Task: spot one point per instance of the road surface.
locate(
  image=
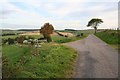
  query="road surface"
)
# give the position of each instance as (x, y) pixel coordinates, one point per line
(95, 58)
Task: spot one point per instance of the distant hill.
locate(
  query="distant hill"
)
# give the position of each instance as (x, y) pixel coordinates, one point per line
(28, 30)
(70, 30)
(15, 26)
(6, 32)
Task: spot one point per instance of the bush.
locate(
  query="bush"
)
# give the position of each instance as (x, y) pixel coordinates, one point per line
(4, 41)
(10, 41)
(8, 34)
(21, 39)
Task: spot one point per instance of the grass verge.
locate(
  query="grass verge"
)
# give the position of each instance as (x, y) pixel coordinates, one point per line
(111, 37)
(53, 61)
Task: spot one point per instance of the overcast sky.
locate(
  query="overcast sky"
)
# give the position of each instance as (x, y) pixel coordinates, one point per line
(62, 14)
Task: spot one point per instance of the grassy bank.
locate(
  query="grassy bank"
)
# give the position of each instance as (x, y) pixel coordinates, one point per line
(111, 37)
(52, 61)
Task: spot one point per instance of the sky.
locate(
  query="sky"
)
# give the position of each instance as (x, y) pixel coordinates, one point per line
(62, 14)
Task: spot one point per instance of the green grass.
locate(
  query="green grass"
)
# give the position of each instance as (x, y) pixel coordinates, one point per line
(111, 37)
(14, 52)
(60, 39)
(53, 61)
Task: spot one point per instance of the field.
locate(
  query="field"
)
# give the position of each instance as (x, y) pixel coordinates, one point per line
(111, 37)
(79, 31)
(56, 38)
(52, 60)
(59, 39)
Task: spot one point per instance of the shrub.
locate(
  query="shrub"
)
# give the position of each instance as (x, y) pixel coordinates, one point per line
(20, 39)
(4, 41)
(10, 41)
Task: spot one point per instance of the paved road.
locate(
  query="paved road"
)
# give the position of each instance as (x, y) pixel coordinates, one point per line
(95, 59)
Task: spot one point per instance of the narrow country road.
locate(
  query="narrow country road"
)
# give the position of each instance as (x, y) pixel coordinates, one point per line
(95, 58)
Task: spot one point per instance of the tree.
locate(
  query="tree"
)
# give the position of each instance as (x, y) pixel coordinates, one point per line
(94, 23)
(46, 30)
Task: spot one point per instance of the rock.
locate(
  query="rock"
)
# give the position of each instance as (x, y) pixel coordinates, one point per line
(25, 41)
(35, 40)
(38, 46)
(30, 40)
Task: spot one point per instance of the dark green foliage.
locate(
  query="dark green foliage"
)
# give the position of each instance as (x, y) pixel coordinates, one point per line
(49, 39)
(8, 34)
(10, 41)
(94, 23)
(4, 41)
(81, 34)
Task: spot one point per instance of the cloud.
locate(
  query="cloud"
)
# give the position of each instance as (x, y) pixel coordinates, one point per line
(4, 12)
(18, 14)
(62, 14)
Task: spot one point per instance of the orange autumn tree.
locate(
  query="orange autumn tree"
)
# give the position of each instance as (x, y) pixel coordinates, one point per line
(46, 30)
